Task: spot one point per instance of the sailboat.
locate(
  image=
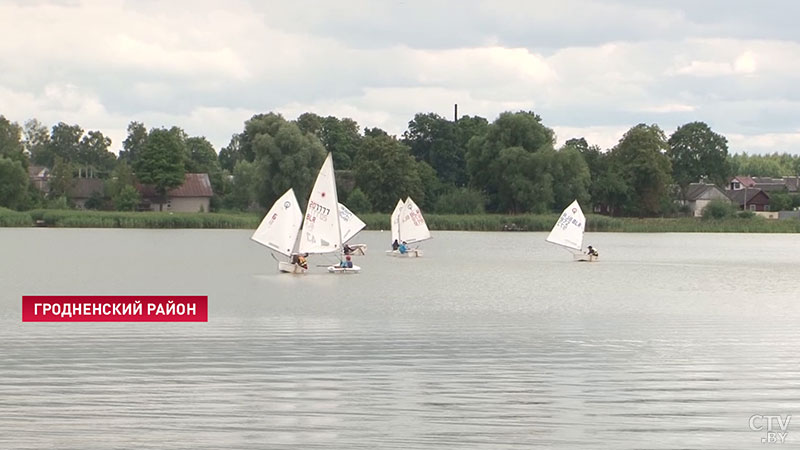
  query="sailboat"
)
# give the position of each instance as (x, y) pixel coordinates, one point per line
(279, 229)
(321, 226)
(568, 232)
(350, 225)
(408, 227)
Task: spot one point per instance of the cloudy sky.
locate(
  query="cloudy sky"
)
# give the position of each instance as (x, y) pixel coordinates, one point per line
(590, 68)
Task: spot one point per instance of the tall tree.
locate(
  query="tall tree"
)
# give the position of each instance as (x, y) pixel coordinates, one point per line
(386, 172)
(340, 137)
(231, 154)
(65, 142)
(13, 183)
(93, 155)
(696, 152)
(497, 163)
(285, 157)
(646, 169)
(255, 129)
(202, 158)
(134, 144)
(571, 177)
(37, 140)
(161, 162)
(243, 194)
(11, 145)
(435, 140)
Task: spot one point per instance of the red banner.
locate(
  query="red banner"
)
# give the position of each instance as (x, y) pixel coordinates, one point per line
(114, 308)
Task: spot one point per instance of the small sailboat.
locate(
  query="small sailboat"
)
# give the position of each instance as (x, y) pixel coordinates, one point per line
(321, 226)
(568, 233)
(350, 225)
(279, 229)
(408, 227)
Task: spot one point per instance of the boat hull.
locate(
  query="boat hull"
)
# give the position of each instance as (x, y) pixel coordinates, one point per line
(584, 258)
(344, 270)
(411, 253)
(358, 249)
(287, 267)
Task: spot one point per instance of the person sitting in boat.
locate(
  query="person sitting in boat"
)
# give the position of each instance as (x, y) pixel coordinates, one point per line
(402, 248)
(301, 261)
(347, 249)
(395, 245)
(592, 251)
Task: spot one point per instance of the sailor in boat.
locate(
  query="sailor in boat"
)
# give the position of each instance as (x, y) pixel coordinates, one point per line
(347, 249)
(592, 252)
(395, 245)
(301, 261)
(402, 248)
(347, 263)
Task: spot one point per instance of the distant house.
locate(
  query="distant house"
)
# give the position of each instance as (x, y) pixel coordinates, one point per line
(40, 177)
(750, 199)
(194, 195)
(768, 184)
(740, 182)
(698, 196)
(84, 188)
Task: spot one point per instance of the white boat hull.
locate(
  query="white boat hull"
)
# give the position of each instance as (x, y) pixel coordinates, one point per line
(358, 249)
(584, 258)
(411, 253)
(344, 270)
(287, 267)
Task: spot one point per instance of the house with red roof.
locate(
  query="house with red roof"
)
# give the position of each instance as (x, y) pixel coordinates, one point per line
(194, 195)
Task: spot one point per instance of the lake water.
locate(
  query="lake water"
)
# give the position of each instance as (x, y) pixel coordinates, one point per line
(492, 340)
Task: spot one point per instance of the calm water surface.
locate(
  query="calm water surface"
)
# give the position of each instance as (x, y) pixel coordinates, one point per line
(492, 340)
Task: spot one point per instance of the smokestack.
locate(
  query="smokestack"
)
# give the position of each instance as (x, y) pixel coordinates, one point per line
(455, 112)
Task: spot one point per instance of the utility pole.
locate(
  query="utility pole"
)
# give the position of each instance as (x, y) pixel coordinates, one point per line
(455, 112)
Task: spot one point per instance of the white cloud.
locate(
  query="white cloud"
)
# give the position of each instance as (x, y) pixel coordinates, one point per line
(764, 143)
(605, 137)
(668, 108)
(585, 66)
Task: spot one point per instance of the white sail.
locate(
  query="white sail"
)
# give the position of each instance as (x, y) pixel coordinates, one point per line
(349, 223)
(396, 221)
(568, 230)
(412, 225)
(280, 226)
(321, 231)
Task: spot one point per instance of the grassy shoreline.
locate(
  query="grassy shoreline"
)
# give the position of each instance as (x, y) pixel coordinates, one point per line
(380, 221)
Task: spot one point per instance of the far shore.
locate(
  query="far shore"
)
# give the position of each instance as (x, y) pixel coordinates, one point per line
(380, 221)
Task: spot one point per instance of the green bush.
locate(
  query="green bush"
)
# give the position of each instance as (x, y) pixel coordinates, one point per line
(745, 214)
(9, 218)
(126, 199)
(103, 219)
(718, 209)
(358, 202)
(461, 201)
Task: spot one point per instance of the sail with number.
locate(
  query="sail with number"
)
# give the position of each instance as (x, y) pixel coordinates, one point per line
(349, 223)
(568, 230)
(278, 231)
(321, 230)
(412, 225)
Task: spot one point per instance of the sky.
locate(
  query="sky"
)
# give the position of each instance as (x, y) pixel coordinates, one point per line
(589, 68)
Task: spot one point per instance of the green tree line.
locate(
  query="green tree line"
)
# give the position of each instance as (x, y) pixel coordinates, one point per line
(511, 165)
